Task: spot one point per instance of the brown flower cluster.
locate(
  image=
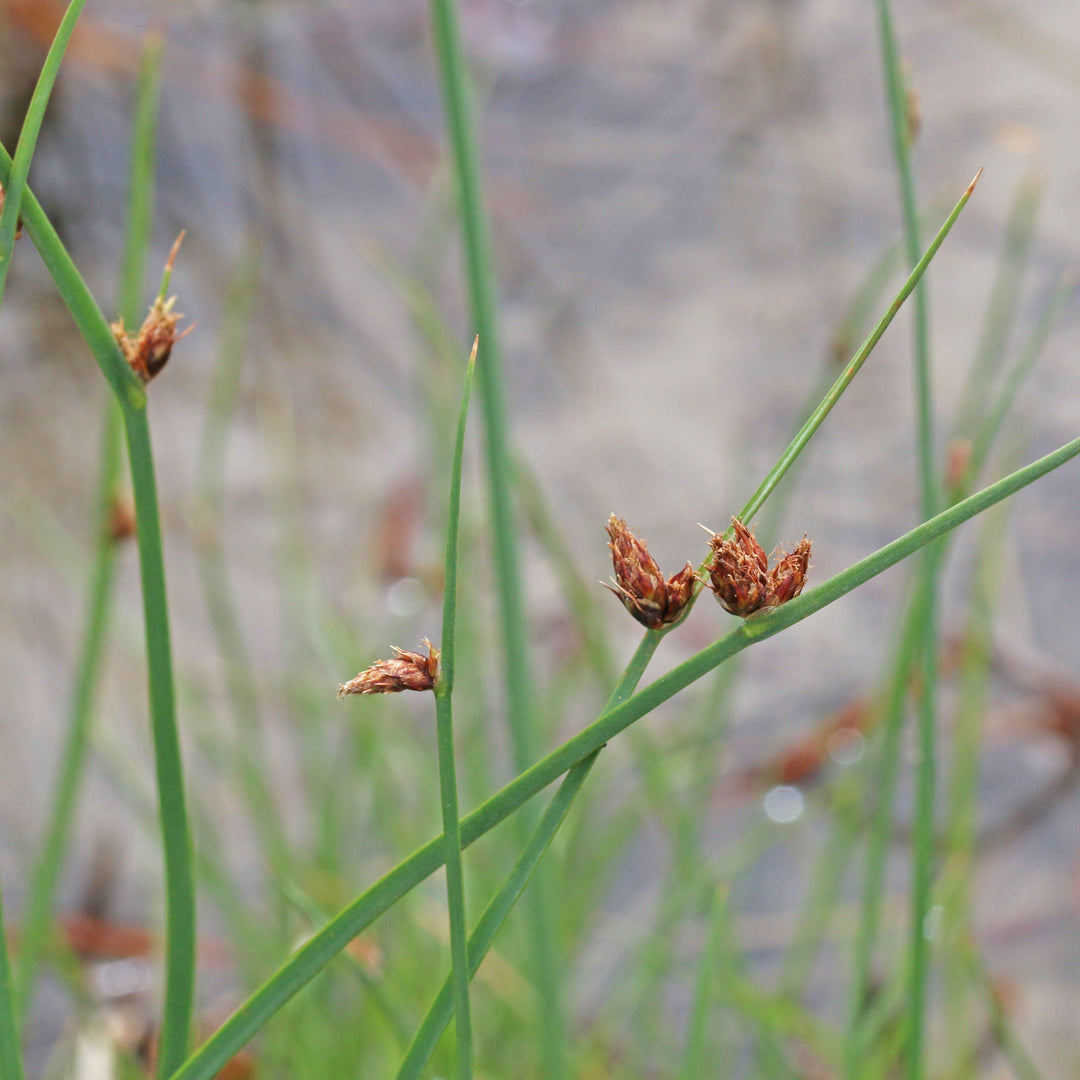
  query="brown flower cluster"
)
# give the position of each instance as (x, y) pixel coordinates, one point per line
(740, 577)
(406, 671)
(640, 585)
(148, 351)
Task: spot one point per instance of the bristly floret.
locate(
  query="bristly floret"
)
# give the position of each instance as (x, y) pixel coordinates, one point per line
(148, 351)
(406, 671)
(740, 577)
(639, 584)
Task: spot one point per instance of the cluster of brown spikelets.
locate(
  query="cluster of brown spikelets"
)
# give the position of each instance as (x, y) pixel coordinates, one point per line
(148, 351)
(739, 576)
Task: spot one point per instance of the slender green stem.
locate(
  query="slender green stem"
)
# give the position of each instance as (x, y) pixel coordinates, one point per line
(924, 848)
(172, 808)
(923, 839)
(888, 761)
(140, 211)
(455, 881)
(517, 666)
(311, 957)
(180, 937)
(491, 921)
(815, 419)
(960, 828)
(457, 94)
(455, 886)
(900, 126)
(15, 182)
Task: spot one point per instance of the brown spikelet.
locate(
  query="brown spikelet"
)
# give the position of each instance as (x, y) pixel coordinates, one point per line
(640, 585)
(737, 573)
(149, 350)
(788, 576)
(406, 671)
(740, 577)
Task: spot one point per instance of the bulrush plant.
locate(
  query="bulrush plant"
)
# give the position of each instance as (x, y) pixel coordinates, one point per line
(766, 599)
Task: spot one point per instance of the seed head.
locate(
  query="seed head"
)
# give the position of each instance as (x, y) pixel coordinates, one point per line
(640, 585)
(406, 671)
(737, 573)
(788, 576)
(740, 577)
(148, 351)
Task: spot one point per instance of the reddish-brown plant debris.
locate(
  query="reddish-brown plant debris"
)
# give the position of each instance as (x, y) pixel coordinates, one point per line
(640, 585)
(740, 577)
(121, 519)
(406, 671)
(148, 351)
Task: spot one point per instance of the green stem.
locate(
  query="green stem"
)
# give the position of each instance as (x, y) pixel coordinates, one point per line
(923, 839)
(172, 809)
(898, 121)
(455, 881)
(15, 182)
(517, 667)
(491, 921)
(814, 421)
(141, 191)
(455, 886)
(888, 761)
(311, 957)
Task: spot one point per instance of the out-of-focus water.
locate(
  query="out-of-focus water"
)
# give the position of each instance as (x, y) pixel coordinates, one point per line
(685, 197)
